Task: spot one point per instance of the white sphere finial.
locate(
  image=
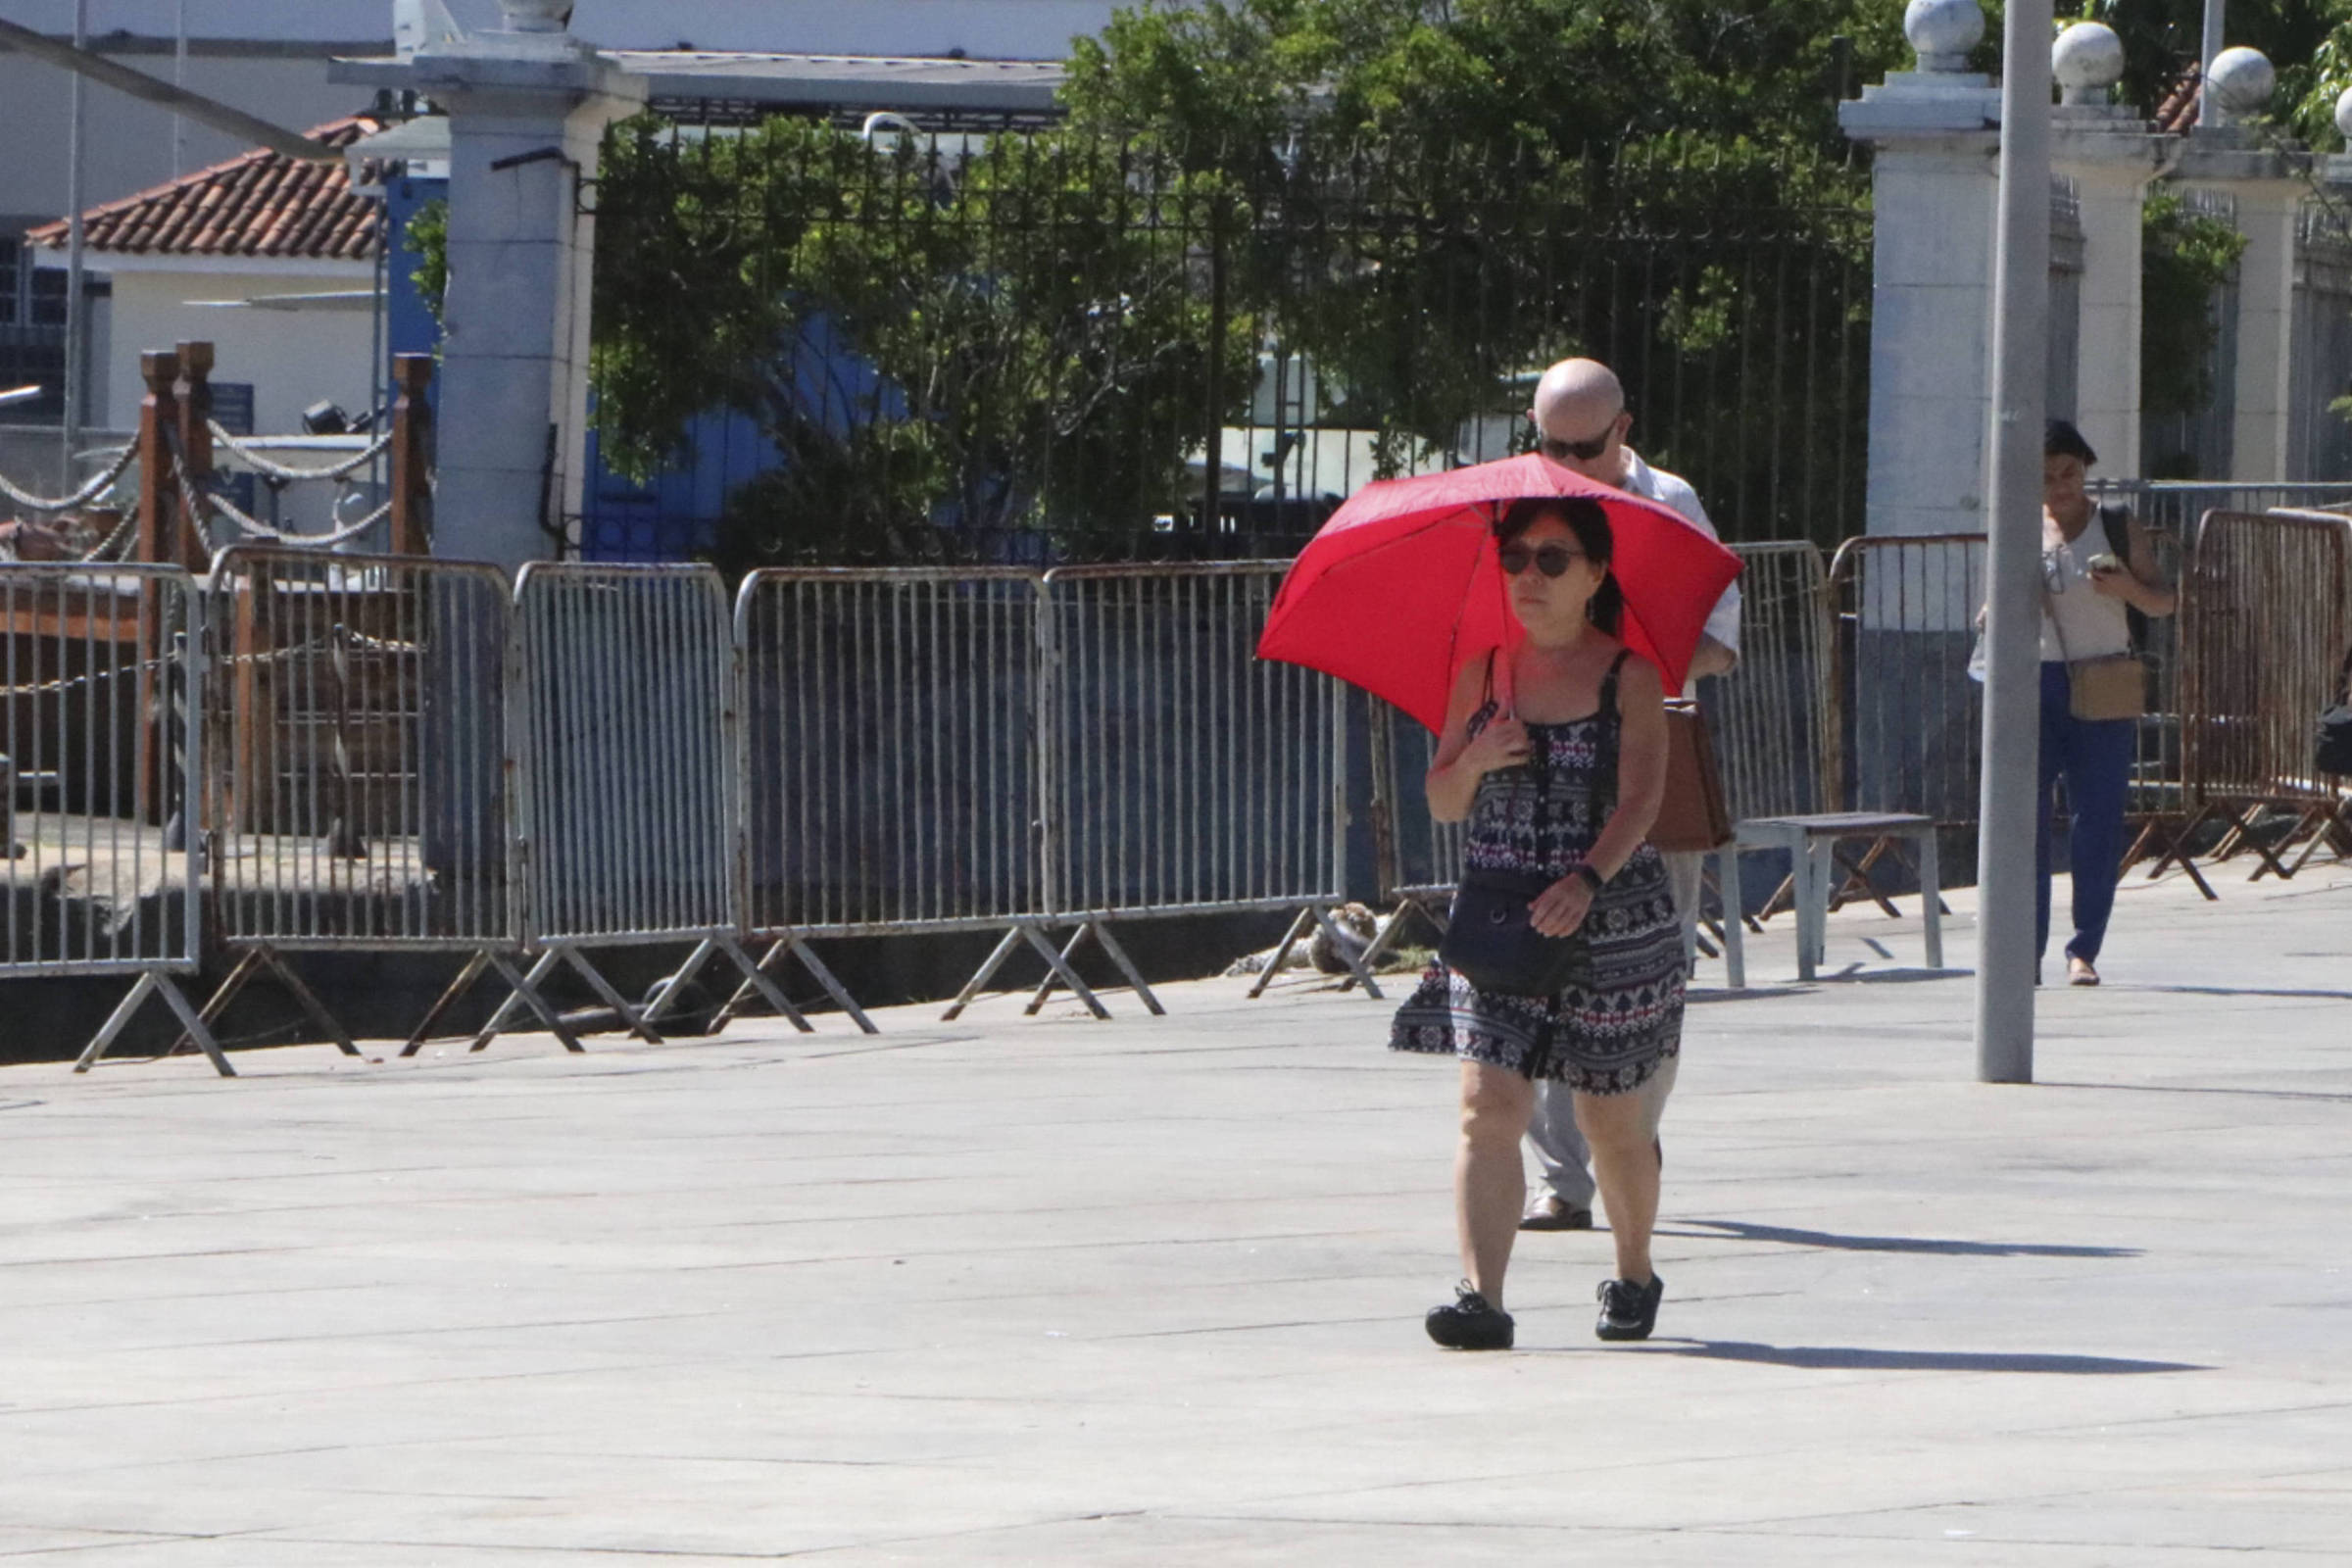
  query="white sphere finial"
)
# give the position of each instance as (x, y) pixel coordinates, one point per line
(2087, 60)
(1943, 31)
(2343, 116)
(2241, 82)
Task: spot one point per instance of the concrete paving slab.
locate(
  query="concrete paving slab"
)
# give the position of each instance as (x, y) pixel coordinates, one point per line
(1148, 1291)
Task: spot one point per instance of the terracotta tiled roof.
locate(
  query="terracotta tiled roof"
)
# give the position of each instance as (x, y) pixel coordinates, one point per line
(259, 203)
(2177, 114)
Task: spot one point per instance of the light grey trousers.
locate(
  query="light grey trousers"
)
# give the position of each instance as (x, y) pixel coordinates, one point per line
(1551, 1131)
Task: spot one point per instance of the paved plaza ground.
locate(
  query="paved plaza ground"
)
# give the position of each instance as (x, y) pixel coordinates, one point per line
(1051, 1290)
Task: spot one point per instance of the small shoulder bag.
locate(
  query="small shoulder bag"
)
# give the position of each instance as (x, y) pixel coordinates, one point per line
(2100, 690)
(1488, 940)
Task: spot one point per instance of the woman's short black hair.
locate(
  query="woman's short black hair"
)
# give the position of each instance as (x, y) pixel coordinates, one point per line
(2063, 440)
(1589, 521)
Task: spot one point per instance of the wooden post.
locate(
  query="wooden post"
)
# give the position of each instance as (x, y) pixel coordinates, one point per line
(159, 517)
(412, 455)
(196, 447)
(158, 491)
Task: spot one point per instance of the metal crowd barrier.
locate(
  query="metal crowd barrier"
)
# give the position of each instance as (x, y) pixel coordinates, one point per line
(101, 679)
(626, 693)
(2266, 624)
(1907, 736)
(1419, 857)
(2173, 508)
(1182, 775)
(357, 797)
(891, 721)
(1909, 730)
(1772, 719)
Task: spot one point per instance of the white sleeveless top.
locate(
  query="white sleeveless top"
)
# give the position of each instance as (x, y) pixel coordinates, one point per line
(2095, 625)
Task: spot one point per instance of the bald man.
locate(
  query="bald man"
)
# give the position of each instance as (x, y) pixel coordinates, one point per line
(1581, 422)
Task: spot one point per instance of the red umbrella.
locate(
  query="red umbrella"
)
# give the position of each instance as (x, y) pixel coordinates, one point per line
(1400, 587)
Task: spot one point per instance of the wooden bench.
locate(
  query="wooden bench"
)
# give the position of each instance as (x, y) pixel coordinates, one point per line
(1811, 843)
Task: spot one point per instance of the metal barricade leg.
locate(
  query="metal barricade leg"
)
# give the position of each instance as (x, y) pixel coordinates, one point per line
(254, 961)
(1735, 917)
(522, 994)
(1930, 898)
(981, 976)
(1282, 954)
(475, 967)
(1026, 931)
(757, 978)
(632, 1020)
(1101, 931)
(152, 982)
(526, 986)
(752, 977)
(750, 974)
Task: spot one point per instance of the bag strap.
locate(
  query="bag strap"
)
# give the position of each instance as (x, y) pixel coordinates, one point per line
(1612, 727)
(2116, 520)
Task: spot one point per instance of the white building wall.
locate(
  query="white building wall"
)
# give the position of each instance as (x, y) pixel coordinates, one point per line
(292, 357)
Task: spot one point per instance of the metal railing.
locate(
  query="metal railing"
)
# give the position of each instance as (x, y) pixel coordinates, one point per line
(1771, 720)
(2266, 622)
(626, 698)
(1909, 737)
(101, 680)
(892, 761)
(358, 789)
(1182, 775)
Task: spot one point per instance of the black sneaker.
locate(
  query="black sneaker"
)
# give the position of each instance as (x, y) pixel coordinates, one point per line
(1627, 1311)
(1469, 1324)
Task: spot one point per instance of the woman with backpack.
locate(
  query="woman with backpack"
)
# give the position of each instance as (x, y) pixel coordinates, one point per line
(2098, 566)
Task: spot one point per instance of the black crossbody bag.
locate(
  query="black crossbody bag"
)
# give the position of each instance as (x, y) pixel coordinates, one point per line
(1488, 941)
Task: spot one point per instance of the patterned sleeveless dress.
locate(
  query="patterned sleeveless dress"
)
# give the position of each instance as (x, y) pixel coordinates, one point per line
(1605, 1039)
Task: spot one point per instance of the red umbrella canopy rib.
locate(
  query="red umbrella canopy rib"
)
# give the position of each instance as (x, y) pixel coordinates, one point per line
(1401, 588)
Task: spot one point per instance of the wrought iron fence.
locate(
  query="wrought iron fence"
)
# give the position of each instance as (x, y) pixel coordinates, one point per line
(1032, 349)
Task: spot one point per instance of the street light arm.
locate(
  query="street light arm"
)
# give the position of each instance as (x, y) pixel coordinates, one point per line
(139, 84)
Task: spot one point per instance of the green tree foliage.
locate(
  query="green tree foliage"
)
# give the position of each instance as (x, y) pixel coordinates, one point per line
(2185, 258)
(1406, 196)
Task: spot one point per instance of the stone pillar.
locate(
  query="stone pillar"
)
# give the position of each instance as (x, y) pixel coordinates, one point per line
(528, 110)
(2266, 210)
(2267, 182)
(1936, 133)
(2111, 156)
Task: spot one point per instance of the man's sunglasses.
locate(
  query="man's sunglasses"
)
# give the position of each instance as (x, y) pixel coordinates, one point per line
(1560, 451)
(1551, 560)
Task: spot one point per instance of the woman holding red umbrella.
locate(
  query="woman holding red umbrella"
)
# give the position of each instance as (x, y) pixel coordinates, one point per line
(1554, 750)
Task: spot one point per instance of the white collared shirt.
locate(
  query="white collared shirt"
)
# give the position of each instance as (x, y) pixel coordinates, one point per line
(1670, 490)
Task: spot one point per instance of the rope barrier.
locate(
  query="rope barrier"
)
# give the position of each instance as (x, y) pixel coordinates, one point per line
(286, 472)
(107, 548)
(67, 683)
(90, 490)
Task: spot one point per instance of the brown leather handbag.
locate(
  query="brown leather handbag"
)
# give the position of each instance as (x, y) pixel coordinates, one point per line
(1693, 818)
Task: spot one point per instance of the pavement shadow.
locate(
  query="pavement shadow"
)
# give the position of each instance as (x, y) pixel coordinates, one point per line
(1860, 975)
(1850, 1358)
(1743, 1231)
(2243, 991)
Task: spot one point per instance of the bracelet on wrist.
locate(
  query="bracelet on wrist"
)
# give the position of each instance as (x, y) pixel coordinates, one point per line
(1590, 874)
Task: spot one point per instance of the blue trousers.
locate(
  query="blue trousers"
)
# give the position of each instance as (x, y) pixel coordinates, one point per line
(2095, 758)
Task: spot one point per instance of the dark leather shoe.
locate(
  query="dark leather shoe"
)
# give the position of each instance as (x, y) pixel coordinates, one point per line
(1552, 1213)
(1629, 1311)
(1470, 1324)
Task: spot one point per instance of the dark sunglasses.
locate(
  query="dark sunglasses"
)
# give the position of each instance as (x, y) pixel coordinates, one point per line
(1560, 451)
(1551, 560)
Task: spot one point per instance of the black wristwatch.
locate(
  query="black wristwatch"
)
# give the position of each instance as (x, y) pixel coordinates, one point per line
(1593, 880)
